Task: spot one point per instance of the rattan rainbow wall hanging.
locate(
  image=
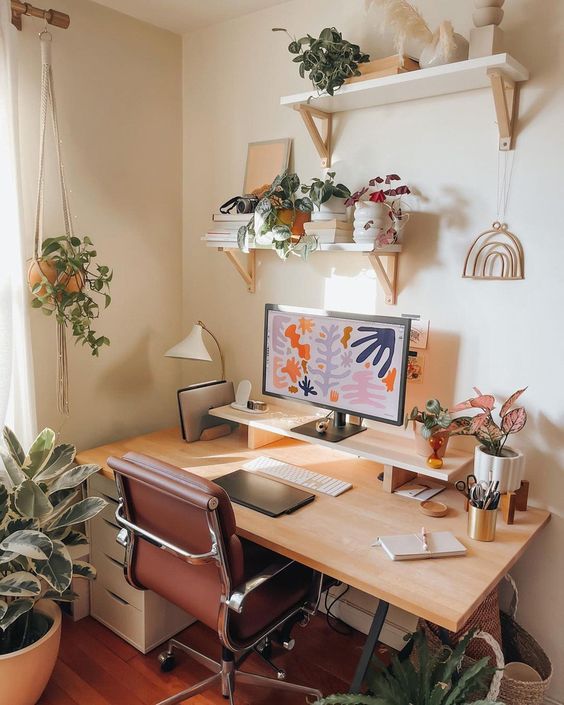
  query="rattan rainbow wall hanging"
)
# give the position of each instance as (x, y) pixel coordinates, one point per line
(495, 254)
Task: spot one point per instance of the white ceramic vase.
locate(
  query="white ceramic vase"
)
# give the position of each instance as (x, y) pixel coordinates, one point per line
(25, 673)
(507, 469)
(433, 54)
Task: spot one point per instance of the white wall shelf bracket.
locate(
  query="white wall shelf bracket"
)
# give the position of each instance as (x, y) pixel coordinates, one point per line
(321, 140)
(386, 267)
(505, 92)
(247, 274)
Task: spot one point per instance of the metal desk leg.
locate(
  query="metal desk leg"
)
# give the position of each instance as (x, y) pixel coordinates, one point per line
(369, 646)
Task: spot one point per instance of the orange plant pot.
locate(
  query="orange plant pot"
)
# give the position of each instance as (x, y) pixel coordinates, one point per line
(294, 219)
(45, 268)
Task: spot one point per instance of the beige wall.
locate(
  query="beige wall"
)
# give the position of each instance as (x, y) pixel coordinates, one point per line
(498, 336)
(118, 85)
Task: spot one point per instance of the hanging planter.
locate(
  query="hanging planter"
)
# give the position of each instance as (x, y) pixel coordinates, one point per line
(64, 279)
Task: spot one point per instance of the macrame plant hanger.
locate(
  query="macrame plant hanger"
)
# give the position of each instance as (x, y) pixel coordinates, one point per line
(48, 106)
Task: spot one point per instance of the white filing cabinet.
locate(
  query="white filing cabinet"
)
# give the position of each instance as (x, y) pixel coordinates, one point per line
(141, 617)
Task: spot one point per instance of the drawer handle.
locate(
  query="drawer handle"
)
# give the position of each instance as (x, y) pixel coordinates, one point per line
(117, 598)
(111, 499)
(113, 560)
(109, 523)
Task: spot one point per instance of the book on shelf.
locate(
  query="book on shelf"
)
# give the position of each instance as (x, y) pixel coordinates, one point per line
(332, 224)
(227, 237)
(231, 217)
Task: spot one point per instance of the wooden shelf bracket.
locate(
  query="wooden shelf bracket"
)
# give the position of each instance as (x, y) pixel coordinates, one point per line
(505, 92)
(321, 140)
(248, 275)
(387, 273)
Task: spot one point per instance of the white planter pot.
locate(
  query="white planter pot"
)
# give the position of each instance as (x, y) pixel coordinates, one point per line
(433, 54)
(507, 469)
(25, 673)
(333, 205)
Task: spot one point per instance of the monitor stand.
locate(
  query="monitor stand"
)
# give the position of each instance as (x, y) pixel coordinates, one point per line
(337, 431)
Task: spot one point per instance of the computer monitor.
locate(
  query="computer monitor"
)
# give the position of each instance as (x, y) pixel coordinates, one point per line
(346, 362)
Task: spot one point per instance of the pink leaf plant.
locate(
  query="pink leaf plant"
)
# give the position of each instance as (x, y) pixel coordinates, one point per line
(491, 435)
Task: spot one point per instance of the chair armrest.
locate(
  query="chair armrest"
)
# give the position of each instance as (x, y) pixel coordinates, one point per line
(241, 592)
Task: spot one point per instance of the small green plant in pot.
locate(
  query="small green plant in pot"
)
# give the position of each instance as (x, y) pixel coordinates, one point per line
(278, 220)
(493, 459)
(41, 517)
(433, 420)
(328, 60)
(431, 679)
(326, 194)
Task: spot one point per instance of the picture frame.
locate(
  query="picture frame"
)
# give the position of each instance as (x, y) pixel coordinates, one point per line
(265, 160)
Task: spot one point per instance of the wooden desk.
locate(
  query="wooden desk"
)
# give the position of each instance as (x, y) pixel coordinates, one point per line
(334, 534)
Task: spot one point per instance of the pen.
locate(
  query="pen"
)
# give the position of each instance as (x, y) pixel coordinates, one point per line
(424, 539)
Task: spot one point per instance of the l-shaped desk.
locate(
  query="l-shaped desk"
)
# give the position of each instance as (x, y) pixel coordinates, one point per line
(335, 534)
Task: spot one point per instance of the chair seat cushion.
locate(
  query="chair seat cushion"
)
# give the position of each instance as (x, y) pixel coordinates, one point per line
(271, 602)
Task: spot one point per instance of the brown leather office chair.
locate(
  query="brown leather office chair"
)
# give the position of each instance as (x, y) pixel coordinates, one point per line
(180, 537)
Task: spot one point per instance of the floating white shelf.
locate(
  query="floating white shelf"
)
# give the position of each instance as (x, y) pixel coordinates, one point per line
(396, 453)
(324, 247)
(500, 72)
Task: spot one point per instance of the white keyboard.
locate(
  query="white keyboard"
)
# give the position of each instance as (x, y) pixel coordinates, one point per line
(299, 476)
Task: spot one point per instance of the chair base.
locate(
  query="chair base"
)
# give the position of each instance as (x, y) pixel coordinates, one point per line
(226, 676)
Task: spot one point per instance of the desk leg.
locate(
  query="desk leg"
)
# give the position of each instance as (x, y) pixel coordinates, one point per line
(369, 646)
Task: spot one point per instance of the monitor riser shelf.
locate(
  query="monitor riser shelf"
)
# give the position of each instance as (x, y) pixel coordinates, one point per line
(395, 452)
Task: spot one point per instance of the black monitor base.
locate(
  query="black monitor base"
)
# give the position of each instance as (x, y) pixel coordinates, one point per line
(338, 430)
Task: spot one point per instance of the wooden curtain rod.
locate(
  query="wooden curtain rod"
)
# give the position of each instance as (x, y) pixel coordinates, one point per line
(54, 17)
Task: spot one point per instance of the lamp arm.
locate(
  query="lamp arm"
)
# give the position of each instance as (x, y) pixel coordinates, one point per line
(200, 323)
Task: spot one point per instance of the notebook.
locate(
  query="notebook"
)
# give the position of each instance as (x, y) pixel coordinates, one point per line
(405, 547)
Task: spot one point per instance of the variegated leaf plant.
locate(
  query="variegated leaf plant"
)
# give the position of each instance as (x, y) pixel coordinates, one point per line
(41, 514)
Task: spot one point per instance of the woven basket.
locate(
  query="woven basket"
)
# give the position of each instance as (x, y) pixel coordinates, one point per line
(486, 618)
(519, 645)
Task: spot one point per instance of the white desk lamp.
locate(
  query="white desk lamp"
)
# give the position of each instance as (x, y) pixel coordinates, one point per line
(194, 402)
(194, 348)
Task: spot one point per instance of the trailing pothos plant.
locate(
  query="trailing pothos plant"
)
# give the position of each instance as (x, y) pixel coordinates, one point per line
(492, 436)
(328, 60)
(272, 223)
(320, 191)
(66, 282)
(40, 513)
(435, 679)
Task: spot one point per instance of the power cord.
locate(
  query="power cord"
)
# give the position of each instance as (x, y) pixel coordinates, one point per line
(345, 630)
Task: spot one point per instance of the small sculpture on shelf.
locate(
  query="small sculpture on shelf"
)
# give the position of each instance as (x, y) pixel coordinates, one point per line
(486, 38)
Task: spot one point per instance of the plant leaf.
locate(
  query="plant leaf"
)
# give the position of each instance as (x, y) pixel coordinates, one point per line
(82, 569)
(514, 420)
(15, 610)
(66, 596)
(57, 570)
(13, 446)
(73, 477)
(75, 538)
(79, 512)
(61, 458)
(33, 544)
(14, 471)
(39, 453)
(21, 584)
(31, 501)
(512, 399)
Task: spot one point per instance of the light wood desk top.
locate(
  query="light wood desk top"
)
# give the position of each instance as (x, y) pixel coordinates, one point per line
(334, 534)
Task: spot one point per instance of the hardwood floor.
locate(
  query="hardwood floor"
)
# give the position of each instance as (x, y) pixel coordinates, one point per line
(96, 667)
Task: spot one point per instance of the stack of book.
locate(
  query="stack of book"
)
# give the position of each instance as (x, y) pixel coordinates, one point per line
(225, 226)
(330, 231)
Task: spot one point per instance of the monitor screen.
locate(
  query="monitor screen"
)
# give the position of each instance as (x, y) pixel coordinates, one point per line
(352, 363)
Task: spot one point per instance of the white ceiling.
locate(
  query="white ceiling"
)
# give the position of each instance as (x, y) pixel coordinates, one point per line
(186, 15)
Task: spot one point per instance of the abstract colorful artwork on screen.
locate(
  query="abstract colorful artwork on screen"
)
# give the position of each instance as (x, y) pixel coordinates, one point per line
(339, 362)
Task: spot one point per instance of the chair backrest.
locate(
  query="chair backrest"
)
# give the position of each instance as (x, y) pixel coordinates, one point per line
(181, 509)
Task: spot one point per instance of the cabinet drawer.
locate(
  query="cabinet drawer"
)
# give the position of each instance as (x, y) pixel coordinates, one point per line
(117, 614)
(103, 538)
(111, 576)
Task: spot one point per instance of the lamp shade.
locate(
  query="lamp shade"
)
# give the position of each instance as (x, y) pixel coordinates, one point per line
(192, 347)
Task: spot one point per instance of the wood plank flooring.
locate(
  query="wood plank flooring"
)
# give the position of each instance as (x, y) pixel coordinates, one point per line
(96, 667)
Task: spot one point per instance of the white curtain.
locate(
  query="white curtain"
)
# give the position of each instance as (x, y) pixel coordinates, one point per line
(17, 406)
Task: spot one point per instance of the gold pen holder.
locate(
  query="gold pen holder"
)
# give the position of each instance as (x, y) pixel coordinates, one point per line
(481, 523)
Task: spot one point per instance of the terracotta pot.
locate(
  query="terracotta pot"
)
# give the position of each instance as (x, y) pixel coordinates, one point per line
(45, 268)
(25, 673)
(422, 446)
(295, 219)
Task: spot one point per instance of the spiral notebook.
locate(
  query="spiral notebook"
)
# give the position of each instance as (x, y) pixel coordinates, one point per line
(405, 547)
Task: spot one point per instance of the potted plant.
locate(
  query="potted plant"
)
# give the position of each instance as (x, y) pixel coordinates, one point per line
(379, 213)
(433, 420)
(493, 459)
(328, 60)
(41, 513)
(430, 678)
(278, 220)
(65, 281)
(328, 196)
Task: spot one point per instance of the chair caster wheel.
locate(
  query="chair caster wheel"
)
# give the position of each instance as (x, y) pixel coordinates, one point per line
(167, 661)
